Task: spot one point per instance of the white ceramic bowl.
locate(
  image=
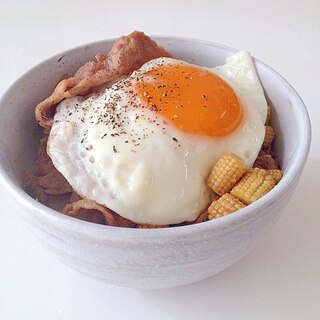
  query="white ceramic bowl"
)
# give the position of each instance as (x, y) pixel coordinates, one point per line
(142, 258)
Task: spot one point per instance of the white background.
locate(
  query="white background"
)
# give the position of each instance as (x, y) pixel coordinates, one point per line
(280, 279)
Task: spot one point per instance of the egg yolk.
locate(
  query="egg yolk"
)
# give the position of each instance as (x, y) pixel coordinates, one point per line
(192, 99)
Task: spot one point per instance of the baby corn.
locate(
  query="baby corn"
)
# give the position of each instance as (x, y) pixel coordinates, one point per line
(253, 185)
(223, 206)
(268, 115)
(276, 174)
(226, 173)
(268, 137)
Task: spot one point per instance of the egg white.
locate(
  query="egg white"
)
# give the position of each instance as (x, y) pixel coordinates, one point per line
(129, 160)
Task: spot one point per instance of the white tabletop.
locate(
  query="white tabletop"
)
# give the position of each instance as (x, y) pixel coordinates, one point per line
(280, 278)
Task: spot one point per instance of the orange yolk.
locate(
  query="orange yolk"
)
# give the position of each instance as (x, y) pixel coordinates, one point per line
(192, 99)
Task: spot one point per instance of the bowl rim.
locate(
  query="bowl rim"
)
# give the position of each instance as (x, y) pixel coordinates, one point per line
(88, 228)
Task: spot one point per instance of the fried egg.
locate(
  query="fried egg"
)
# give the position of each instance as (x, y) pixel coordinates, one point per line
(144, 146)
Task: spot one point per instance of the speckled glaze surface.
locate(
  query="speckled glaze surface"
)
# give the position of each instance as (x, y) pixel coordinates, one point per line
(147, 258)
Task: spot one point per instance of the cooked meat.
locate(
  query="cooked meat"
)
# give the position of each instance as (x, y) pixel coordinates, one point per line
(43, 164)
(45, 178)
(30, 182)
(89, 210)
(54, 183)
(202, 217)
(126, 55)
(265, 161)
(151, 226)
